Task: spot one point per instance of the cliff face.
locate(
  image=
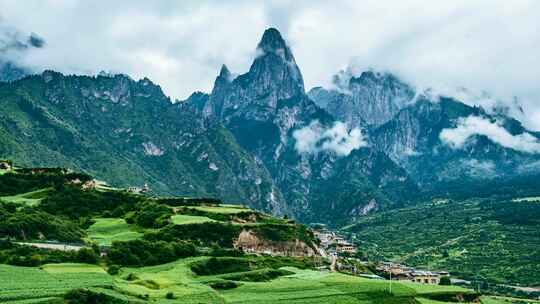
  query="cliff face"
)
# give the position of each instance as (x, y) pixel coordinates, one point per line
(249, 242)
(370, 99)
(412, 138)
(128, 132)
(264, 108)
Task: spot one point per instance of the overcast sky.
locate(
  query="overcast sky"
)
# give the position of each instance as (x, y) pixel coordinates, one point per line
(491, 46)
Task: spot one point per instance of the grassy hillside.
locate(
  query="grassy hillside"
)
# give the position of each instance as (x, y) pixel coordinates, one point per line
(127, 133)
(176, 283)
(487, 239)
(137, 249)
(104, 231)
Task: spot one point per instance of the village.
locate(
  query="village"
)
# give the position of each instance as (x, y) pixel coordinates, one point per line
(342, 254)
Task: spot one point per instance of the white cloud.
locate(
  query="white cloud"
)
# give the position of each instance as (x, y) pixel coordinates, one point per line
(480, 45)
(473, 125)
(339, 139)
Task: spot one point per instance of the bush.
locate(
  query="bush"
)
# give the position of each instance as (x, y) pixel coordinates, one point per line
(445, 281)
(113, 270)
(31, 223)
(262, 275)
(224, 285)
(145, 253)
(75, 203)
(217, 251)
(85, 296)
(20, 255)
(87, 255)
(214, 266)
(169, 295)
(150, 215)
(205, 233)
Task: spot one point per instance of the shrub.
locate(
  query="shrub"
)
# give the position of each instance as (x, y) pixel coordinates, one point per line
(206, 233)
(76, 203)
(145, 253)
(445, 281)
(113, 270)
(262, 275)
(150, 215)
(87, 255)
(220, 265)
(169, 295)
(85, 296)
(224, 285)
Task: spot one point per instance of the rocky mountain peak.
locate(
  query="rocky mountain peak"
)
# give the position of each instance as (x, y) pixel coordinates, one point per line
(370, 98)
(225, 73)
(274, 70)
(272, 42)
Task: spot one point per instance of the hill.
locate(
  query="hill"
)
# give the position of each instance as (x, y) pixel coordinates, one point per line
(128, 133)
(67, 240)
(494, 240)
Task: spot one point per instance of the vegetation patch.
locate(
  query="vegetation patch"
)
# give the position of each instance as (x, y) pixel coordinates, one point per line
(143, 253)
(208, 233)
(72, 268)
(187, 201)
(86, 296)
(22, 255)
(150, 215)
(104, 231)
(223, 265)
(74, 202)
(224, 285)
(260, 275)
(32, 198)
(496, 239)
(21, 283)
(182, 219)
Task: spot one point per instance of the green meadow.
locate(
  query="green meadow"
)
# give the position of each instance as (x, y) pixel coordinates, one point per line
(222, 209)
(32, 198)
(182, 219)
(107, 230)
(176, 283)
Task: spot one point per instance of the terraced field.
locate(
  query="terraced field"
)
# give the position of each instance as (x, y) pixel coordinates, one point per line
(107, 230)
(223, 209)
(182, 219)
(157, 284)
(30, 198)
(26, 283)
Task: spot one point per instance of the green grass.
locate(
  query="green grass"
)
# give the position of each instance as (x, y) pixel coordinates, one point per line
(30, 198)
(424, 288)
(72, 268)
(496, 239)
(224, 209)
(107, 230)
(157, 281)
(299, 286)
(181, 219)
(24, 283)
(505, 300)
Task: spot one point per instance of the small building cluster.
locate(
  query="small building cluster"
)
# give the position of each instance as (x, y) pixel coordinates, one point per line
(139, 190)
(6, 165)
(404, 273)
(333, 243)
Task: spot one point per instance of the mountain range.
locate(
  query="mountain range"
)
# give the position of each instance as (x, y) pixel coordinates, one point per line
(371, 142)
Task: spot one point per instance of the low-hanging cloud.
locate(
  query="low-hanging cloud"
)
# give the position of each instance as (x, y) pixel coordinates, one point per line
(338, 139)
(473, 125)
(182, 44)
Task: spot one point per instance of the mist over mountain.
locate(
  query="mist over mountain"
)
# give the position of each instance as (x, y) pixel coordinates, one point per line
(371, 142)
